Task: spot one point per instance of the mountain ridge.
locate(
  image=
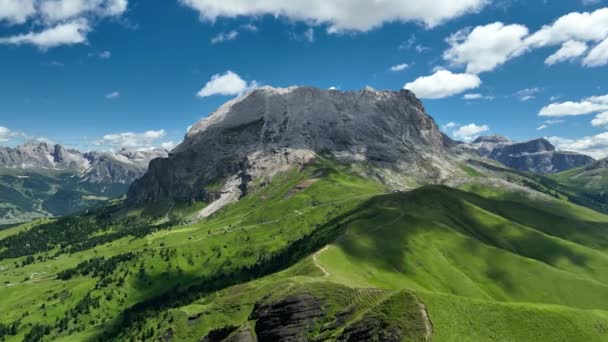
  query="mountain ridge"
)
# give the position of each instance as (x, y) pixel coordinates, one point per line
(47, 180)
(269, 130)
(536, 155)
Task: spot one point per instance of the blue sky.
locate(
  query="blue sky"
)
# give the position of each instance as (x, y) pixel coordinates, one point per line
(132, 73)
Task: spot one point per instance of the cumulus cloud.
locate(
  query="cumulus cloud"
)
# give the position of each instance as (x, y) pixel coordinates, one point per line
(399, 67)
(485, 47)
(586, 106)
(443, 83)
(224, 37)
(595, 145)
(16, 11)
(228, 83)
(169, 145)
(569, 51)
(131, 140)
(601, 120)
(6, 134)
(339, 15)
(598, 56)
(470, 132)
(586, 26)
(73, 32)
(56, 22)
(449, 125)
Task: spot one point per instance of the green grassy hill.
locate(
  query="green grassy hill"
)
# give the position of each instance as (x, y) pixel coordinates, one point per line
(589, 183)
(341, 258)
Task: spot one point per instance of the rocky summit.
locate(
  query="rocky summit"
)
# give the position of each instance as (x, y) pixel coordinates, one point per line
(270, 130)
(539, 155)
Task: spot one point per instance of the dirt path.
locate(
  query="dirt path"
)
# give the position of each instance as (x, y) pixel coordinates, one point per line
(428, 326)
(314, 259)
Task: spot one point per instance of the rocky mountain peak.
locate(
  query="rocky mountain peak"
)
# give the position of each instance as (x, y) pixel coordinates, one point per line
(600, 164)
(537, 155)
(269, 130)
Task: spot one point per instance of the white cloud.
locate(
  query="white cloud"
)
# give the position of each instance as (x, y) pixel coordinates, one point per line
(449, 125)
(53, 23)
(485, 47)
(570, 108)
(601, 120)
(133, 141)
(73, 32)
(595, 146)
(476, 96)
(113, 95)
(472, 96)
(527, 94)
(572, 26)
(169, 145)
(569, 51)
(443, 83)
(227, 84)
(399, 67)
(340, 15)
(598, 56)
(6, 134)
(60, 10)
(224, 37)
(586, 106)
(470, 132)
(16, 11)
(541, 127)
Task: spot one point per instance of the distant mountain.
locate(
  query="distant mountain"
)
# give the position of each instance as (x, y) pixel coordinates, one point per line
(41, 180)
(589, 182)
(538, 155)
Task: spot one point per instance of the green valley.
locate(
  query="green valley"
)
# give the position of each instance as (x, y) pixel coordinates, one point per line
(358, 261)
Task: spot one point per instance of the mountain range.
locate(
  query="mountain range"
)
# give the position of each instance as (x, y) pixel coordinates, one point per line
(539, 155)
(46, 180)
(300, 214)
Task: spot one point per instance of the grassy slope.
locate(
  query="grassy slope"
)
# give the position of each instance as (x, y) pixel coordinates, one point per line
(266, 221)
(482, 277)
(490, 265)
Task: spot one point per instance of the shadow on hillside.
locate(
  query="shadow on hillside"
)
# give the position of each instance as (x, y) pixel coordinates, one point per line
(379, 231)
(397, 224)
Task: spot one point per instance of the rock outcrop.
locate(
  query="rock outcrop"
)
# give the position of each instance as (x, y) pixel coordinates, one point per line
(268, 130)
(288, 319)
(539, 155)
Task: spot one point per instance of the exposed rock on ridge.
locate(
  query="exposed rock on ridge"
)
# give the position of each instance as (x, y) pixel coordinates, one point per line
(270, 130)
